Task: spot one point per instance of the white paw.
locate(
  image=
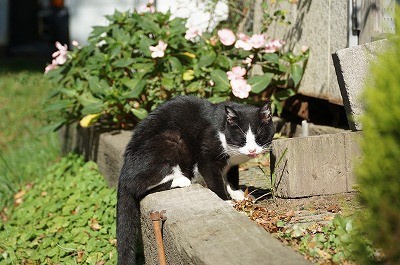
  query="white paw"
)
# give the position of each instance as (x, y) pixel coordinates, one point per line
(230, 202)
(237, 195)
(180, 182)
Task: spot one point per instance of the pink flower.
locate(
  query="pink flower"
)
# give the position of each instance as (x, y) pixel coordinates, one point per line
(236, 73)
(192, 33)
(273, 46)
(257, 40)
(240, 88)
(158, 51)
(304, 48)
(147, 8)
(242, 36)
(61, 55)
(249, 60)
(243, 42)
(226, 36)
(50, 67)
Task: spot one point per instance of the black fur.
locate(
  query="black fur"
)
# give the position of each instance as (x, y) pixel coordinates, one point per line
(184, 132)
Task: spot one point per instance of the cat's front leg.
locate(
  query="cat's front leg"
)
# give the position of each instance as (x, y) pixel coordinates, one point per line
(212, 175)
(232, 177)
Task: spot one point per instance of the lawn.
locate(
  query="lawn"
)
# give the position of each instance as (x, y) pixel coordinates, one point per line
(25, 151)
(52, 209)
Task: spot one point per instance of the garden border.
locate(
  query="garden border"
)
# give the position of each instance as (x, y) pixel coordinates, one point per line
(199, 225)
(201, 228)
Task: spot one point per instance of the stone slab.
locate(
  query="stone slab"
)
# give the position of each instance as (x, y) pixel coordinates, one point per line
(352, 67)
(202, 229)
(110, 155)
(315, 165)
(323, 27)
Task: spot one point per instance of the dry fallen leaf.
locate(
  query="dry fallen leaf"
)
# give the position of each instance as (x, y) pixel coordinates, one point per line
(19, 194)
(94, 224)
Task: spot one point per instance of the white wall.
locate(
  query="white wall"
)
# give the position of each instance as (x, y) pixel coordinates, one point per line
(84, 14)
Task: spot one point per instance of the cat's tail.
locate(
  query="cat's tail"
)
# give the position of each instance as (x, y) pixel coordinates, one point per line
(128, 227)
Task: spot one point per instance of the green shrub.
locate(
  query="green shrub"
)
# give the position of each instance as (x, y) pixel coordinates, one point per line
(66, 217)
(140, 60)
(378, 174)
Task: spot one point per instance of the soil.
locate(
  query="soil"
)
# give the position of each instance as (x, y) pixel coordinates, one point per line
(309, 211)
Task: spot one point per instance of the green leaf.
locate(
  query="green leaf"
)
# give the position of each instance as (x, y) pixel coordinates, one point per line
(58, 105)
(149, 25)
(140, 113)
(123, 62)
(97, 31)
(143, 68)
(260, 82)
(283, 68)
(97, 86)
(67, 92)
(136, 87)
(272, 57)
(207, 59)
(296, 72)
(88, 99)
(176, 65)
(144, 44)
(221, 79)
(93, 108)
(224, 62)
(167, 83)
(217, 99)
(52, 127)
(193, 87)
(284, 94)
(276, 105)
(115, 51)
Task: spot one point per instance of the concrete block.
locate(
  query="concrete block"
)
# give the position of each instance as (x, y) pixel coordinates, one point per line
(315, 165)
(353, 70)
(110, 154)
(323, 26)
(202, 229)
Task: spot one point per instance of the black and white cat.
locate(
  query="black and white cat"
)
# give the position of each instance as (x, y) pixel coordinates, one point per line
(180, 140)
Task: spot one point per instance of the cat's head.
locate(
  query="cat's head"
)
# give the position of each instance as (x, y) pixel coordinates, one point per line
(248, 130)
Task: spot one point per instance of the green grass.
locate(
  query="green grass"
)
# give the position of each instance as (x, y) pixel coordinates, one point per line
(65, 217)
(25, 151)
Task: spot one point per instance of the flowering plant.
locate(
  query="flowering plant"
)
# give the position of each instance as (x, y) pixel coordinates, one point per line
(140, 60)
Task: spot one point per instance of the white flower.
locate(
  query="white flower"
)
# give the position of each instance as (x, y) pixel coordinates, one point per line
(158, 51)
(192, 33)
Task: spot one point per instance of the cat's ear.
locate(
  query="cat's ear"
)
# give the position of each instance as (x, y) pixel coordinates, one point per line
(231, 115)
(265, 113)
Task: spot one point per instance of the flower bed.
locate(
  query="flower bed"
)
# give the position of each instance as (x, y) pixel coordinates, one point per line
(140, 60)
